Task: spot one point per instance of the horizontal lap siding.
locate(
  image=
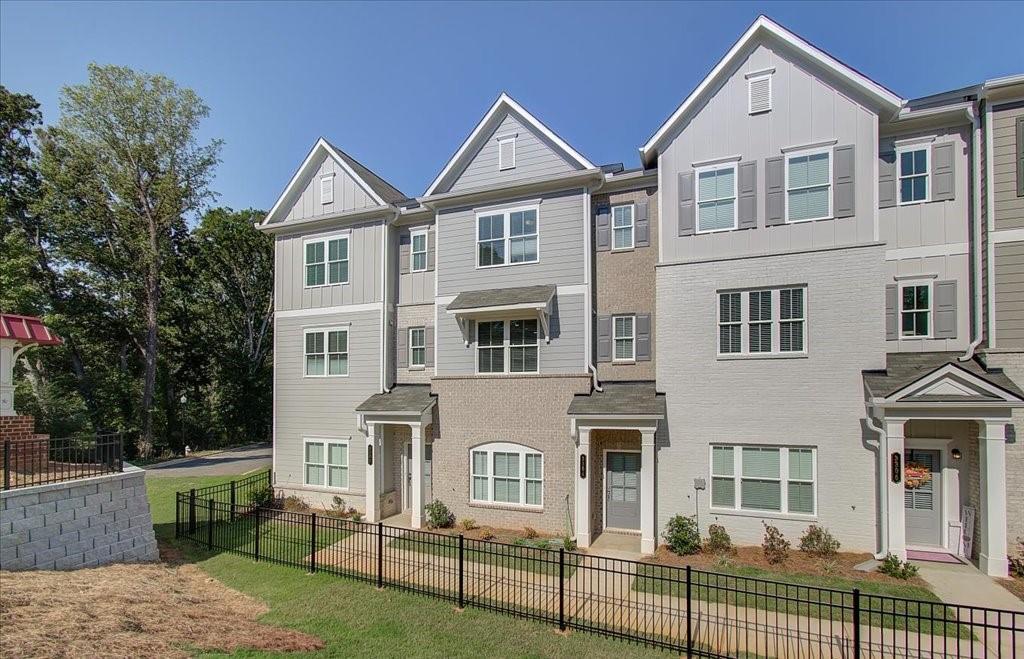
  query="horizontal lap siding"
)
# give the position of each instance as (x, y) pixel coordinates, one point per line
(323, 407)
(1009, 295)
(364, 270)
(348, 195)
(1009, 208)
(560, 227)
(534, 158)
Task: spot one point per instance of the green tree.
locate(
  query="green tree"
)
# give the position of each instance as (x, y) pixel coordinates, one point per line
(124, 170)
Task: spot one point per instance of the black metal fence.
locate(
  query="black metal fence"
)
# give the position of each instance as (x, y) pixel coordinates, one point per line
(52, 460)
(689, 611)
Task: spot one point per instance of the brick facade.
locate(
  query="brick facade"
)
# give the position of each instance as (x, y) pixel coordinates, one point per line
(528, 410)
(19, 430)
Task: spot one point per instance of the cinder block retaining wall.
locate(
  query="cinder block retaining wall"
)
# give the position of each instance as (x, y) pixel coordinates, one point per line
(79, 523)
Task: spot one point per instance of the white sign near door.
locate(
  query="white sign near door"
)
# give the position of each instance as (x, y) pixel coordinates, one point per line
(967, 539)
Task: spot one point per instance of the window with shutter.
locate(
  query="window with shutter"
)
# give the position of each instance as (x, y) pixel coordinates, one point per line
(419, 251)
(759, 93)
(716, 198)
(809, 186)
(912, 163)
(625, 345)
(915, 309)
(417, 347)
(506, 153)
(622, 226)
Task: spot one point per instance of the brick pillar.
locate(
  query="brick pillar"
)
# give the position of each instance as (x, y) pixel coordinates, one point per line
(18, 430)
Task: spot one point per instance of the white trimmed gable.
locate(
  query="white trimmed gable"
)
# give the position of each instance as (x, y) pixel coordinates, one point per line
(952, 383)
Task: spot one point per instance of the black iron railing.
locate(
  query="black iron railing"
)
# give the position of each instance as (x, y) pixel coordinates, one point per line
(688, 611)
(30, 462)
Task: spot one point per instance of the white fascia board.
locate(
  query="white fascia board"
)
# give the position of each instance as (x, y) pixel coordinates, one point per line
(319, 148)
(950, 370)
(473, 311)
(763, 23)
(506, 102)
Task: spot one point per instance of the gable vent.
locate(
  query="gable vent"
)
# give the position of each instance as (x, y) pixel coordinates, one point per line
(327, 189)
(507, 152)
(759, 93)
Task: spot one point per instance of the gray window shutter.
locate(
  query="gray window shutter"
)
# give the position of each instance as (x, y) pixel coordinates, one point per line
(944, 325)
(746, 187)
(887, 179)
(892, 316)
(403, 347)
(603, 223)
(403, 252)
(431, 248)
(471, 329)
(643, 337)
(943, 172)
(687, 209)
(604, 338)
(428, 338)
(775, 191)
(844, 195)
(642, 225)
(1020, 156)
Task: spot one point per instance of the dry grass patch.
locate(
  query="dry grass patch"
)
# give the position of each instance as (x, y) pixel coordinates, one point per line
(149, 610)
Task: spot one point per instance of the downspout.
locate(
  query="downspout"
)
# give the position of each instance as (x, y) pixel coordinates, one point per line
(588, 282)
(385, 347)
(883, 508)
(976, 242)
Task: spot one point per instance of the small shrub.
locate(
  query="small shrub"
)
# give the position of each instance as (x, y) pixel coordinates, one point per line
(817, 541)
(894, 567)
(829, 566)
(438, 516)
(529, 533)
(468, 524)
(294, 504)
(568, 544)
(774, 545)
(723, 562)
(262, 498)
(1017, 561)
(355, 515)
(682, 536)
(486, 535)
(338, 508)
(718, 541)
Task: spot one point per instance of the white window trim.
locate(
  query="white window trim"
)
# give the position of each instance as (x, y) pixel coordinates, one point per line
(737, 476)
(776, 322)
(329, 197)
(631, 337)
(506, 226)
(632, 227)
(503, 166)
(327, 441)
(751, 79)
(506, 447)
(931, 309)
(735, 195)
(413, 366)
(905, 148)
(506, 347)
(325, 331)
(426, 249)
(347, 236)
(796, 153)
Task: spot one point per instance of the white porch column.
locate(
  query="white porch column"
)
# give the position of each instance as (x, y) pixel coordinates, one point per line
(374, 443)
(7, 377)
(895, 513)
(419, 460)
(648, 526)
(583, 488)
(992, 453)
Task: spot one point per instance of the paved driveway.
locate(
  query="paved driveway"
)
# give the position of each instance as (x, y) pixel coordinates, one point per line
(231, 462)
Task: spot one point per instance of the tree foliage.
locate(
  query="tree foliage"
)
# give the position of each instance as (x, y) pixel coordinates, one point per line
(165, 306)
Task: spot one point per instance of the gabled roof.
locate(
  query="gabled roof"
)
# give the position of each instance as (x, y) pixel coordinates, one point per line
(501, 106)
(940, 377)
(761, 27)
(377, 188)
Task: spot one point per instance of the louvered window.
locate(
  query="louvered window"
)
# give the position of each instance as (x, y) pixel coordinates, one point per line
(759, 93)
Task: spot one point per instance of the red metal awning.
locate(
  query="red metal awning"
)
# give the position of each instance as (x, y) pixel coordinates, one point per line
(26, 330)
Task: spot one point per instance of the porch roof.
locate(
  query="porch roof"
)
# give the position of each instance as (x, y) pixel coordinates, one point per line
(27, 330)
(904, 369)
(486, 300)
(402, 398)
(624, 399)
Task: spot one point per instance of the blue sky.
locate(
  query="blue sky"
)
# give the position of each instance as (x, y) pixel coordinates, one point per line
(399, 86)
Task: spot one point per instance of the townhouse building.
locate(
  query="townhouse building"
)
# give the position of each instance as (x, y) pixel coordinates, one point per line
(799, 308)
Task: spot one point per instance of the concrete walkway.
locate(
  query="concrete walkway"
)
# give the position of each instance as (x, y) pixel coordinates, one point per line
(967, 586)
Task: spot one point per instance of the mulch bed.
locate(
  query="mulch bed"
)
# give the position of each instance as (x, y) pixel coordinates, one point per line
(798, 564)
(1015, 585)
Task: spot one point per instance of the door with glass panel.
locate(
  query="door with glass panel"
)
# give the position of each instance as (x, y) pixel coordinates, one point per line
(922, 497)
(622, 490)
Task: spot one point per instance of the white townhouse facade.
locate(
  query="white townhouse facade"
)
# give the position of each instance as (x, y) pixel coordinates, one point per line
(800, 308)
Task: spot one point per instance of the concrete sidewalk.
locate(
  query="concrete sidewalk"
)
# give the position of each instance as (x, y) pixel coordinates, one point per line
(230, 462)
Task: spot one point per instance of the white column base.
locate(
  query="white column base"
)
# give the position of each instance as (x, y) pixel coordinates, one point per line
(994, 566)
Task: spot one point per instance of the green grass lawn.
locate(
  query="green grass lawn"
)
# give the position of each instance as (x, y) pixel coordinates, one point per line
(757, 594)
(355, 619)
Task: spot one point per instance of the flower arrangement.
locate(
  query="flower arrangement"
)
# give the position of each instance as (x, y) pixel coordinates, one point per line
(916, 475)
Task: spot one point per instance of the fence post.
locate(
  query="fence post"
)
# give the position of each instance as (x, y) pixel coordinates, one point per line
(257, 547)
(462, 566)
(192, 511)
(232, 501)
(689, 616)
(380, 554)
(561, 588)
(120, 452)
(7, 464)
(270, 478)
(312, 542)
(856, 623)
(177, 515)
(209, 523)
